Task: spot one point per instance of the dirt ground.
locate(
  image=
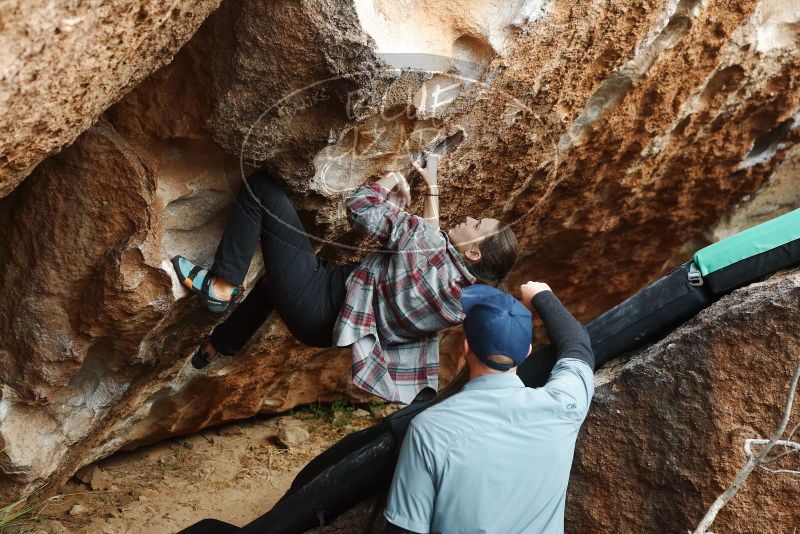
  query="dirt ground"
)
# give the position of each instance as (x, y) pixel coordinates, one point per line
(234, 473)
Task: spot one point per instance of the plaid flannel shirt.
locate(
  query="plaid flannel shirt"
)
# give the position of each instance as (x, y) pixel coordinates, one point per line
(399, 298)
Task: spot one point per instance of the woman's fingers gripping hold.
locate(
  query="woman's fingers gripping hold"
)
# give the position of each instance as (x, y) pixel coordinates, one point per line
(428, 173)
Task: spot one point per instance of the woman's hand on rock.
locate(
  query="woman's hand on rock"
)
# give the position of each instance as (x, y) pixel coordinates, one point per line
(429, 172)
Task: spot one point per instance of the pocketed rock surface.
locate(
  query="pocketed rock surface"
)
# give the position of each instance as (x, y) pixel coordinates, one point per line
(616, 139)
(63, 63)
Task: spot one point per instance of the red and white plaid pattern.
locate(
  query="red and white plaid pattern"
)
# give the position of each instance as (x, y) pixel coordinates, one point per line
(399, 298)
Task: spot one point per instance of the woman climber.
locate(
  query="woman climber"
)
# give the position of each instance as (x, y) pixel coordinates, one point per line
(389, 307)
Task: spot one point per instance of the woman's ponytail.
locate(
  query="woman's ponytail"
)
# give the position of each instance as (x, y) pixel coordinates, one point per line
(498, 256)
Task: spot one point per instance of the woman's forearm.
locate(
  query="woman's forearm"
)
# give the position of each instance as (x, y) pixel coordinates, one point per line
(388, 182)
(430, 209)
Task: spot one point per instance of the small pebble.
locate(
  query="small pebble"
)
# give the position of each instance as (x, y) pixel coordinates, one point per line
(291, 436)
(77, 510)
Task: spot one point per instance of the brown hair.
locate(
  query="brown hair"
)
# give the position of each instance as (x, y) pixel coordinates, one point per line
(498, 255)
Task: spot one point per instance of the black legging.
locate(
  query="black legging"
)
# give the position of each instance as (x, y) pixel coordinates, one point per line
(305, 291)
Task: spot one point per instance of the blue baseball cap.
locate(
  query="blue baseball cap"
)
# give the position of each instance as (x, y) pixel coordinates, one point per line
(496, 323)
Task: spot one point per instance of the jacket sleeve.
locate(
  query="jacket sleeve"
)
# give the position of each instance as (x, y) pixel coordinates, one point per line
(369, 211)
(569, 337)
(571, 382)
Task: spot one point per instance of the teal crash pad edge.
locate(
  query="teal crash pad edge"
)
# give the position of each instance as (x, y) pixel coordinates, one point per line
(751, 242)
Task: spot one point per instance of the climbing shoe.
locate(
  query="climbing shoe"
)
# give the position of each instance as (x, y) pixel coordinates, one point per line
(198, 280)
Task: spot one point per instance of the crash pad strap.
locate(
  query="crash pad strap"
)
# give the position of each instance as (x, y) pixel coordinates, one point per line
(751, 242)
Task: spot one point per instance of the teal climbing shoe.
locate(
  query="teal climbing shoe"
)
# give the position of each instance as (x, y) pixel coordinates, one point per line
(198, 280)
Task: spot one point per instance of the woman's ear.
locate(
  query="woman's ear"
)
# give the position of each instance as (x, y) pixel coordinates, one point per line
(473, 254)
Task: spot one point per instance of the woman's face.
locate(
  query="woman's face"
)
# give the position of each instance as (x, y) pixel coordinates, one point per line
(472, 231)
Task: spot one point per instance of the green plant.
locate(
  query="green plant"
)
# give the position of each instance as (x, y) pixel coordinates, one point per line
(340, 412)
(343, 413)
(343, 406)
(374, 405)
(13, 514)
(316, 410)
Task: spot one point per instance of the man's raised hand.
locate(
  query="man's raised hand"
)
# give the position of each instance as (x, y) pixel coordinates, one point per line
(529, 290)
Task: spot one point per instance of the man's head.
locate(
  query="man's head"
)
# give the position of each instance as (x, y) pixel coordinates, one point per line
(489, 248)
(498, 330)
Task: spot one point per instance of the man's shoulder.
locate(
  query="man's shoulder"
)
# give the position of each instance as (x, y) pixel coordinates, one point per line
(432, 416)
(458, 413)
(574, 366)
(571, 385)
(439, 418)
